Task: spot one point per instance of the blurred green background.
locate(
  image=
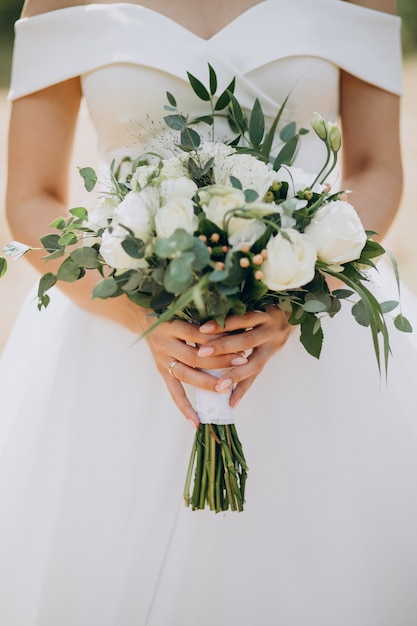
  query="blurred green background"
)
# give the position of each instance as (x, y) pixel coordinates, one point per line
(10, 10)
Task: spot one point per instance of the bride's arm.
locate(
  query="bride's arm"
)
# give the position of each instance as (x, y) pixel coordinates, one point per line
(42, 128)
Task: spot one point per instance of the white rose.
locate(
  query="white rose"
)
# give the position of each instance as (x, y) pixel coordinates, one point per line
(297, 179)
(135, 212)
(112, 252)
(291, 261)
(172, 168)
(143, 175)
(246, 233)
(100, 216)
(177, 187)
(176, 213)
(251, 172)
(218, 200)
(337, 233)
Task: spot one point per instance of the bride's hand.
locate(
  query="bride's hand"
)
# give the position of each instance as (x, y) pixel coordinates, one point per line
(174, 346)
(265, 334)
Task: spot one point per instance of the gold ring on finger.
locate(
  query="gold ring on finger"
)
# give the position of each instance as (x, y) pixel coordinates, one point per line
(171, 367)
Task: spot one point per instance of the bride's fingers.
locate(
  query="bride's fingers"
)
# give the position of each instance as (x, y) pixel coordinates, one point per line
(181, 400)
(232, 323)
(270, 327)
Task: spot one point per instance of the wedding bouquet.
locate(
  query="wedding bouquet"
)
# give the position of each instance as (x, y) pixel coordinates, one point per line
(218, 228)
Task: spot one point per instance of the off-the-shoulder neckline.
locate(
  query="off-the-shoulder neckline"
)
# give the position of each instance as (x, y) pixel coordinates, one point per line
(133, 6)
(141, 7)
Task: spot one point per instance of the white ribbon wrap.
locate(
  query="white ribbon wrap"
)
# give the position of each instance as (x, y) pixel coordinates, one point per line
(213, 407)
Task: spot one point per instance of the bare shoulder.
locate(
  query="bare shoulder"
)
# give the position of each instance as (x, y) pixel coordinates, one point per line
(36, 7)
(387, 6)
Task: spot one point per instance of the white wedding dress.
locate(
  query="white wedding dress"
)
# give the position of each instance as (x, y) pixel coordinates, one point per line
(93, 453)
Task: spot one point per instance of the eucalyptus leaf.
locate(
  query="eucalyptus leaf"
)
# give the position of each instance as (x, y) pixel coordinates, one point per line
(134, 247)
(51, 243)
(179, 275)
(175, 121)
(68, 239)
(401, 323)
(69, 271)
(389, 305)
(79, 212)
(46, 282)
(85, 257)
(106, 288)
(89, 176)
(251, 195)
(59, 223)
(360, 313)
(190, 139)
(342, 293)
(314, 306)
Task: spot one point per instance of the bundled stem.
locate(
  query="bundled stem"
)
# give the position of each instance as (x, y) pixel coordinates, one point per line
(219, 468)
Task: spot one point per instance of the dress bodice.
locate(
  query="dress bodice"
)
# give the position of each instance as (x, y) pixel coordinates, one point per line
(128, 57)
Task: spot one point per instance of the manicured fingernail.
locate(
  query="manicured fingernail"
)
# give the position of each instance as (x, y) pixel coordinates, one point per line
(239, 360)
(208, 327)
(205, 351)
(224, 385)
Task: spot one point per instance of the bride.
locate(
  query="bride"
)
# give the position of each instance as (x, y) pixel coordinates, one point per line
(93, 450)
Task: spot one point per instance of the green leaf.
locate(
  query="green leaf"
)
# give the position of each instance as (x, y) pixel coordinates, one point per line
(269, 139)
(198, 88)
(106, 288)
(69, 271)
(314, 306)
(79, 212)
(179, 275)
(85, 257)
(341, 294)
(401, 323)
(286, 154)
(68, 239)
(175, 121)
(171, 99)
(180, 241)
(251, 195)
(134, 247)
(256, 124)
(311, 337)
(213, 80)
(190, 139)
(288, 132)
(45, 283)
(201, 255)
(237, 114)
(235, 182)
(360, 313)
(51, 243)
(59, 223)
(389, 305)
(90, 178)
(224, 98)
(3, 266)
